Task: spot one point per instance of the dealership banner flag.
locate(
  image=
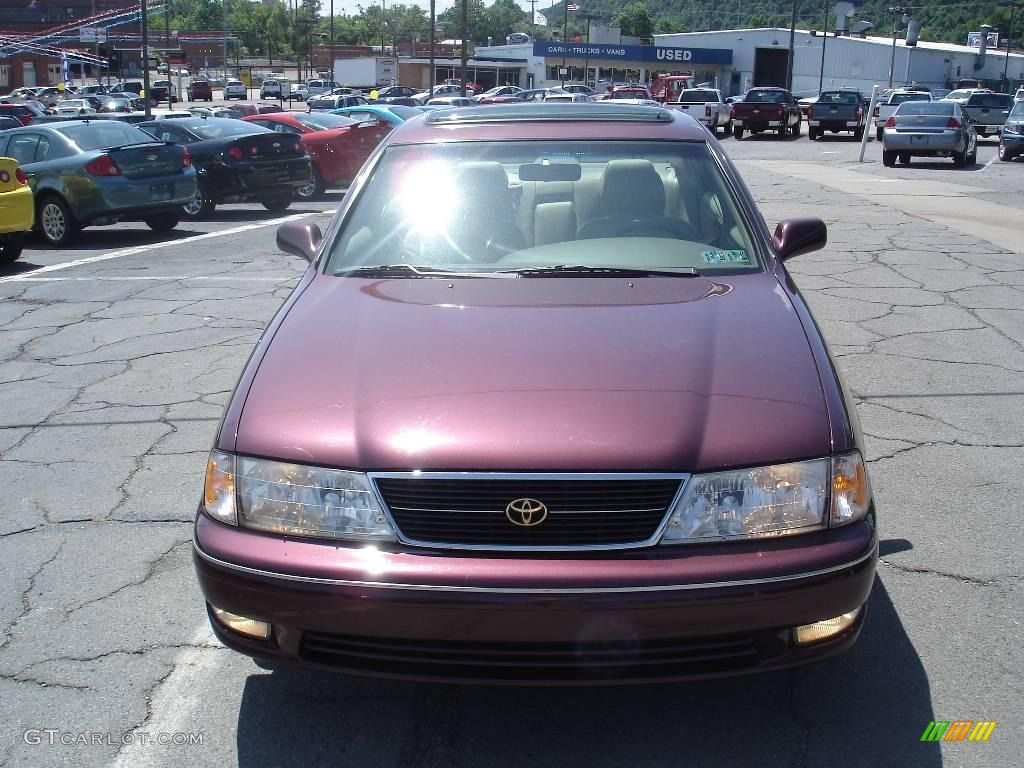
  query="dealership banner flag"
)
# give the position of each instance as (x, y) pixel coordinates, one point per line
(65, 75)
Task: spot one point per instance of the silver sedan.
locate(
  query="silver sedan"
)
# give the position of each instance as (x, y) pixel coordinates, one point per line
(929, 129)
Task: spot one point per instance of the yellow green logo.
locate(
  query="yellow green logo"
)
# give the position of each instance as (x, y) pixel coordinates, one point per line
(958, 730)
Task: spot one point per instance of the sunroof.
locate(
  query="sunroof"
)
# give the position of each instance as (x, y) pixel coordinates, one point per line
(551, 112)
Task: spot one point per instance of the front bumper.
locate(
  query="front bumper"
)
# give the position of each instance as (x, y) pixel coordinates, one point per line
(1012, 141)
(700, 611)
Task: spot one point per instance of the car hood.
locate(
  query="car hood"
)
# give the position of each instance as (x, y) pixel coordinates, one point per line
(541, 374)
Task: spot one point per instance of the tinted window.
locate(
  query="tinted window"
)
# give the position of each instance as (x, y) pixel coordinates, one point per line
(900, 98)
(104, 135)
(999, 100)
(766, 97)
(839, 97)
(474, 206)
(697, 97)
(22, 147)
(1018, 109)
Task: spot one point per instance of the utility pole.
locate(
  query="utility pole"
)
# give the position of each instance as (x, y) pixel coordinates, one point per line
(383, 23)
(145, 57)
(433, 32)
(224, 13)
(587, 18)
(465, 43)
(897, 12)
(565, 41)
(792, 45)
(332, 39)
(824, 41)
(1009, 36)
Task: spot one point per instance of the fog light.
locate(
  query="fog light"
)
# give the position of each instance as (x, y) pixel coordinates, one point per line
(823, 630)
(243, 625)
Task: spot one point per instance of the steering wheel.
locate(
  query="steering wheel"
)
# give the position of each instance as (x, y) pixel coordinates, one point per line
(658, 226)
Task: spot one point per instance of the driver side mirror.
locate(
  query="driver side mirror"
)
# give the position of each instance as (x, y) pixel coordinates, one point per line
(299, 238)
(794, 237)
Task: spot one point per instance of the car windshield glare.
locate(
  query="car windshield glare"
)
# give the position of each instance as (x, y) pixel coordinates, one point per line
(323, 122)
(942, 108)
(221, 127)
(472, 208)
(104, 135)
(766, 97)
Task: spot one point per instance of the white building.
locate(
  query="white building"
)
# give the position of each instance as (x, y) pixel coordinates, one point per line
(737, 59)
(760, 57)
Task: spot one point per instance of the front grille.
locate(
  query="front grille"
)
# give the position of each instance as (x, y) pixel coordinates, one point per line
(581, 512)
(551, 662)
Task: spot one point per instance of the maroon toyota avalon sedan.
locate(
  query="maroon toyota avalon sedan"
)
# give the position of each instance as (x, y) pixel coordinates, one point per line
(545, 407)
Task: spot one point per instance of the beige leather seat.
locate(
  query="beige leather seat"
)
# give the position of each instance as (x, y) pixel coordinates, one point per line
(630, 190)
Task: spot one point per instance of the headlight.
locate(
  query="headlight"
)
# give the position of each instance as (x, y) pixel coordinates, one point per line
(294, 499)
(771, 501)
(750, 503)
(1014, 129)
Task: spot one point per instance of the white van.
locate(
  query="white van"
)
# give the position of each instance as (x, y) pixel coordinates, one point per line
(318, 87)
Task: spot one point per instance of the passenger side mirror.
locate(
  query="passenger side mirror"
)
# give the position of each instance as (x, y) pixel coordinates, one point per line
(795, 237)
(299, 238)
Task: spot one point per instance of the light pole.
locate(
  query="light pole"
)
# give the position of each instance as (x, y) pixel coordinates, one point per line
(332, 39)
(145, 57)
(824, 41)
(898, 13)
(433, 32)
(464, 23)
(224, 15)
(565, 42)
(587, 18)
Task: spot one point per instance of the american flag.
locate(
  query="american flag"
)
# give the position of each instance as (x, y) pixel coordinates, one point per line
(573, 7)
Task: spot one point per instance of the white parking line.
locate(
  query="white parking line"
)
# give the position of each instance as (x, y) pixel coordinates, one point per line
(985, 167)
(155, 246)
(173, 702)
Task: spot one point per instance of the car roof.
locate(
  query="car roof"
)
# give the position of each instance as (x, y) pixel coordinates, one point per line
(553, 120)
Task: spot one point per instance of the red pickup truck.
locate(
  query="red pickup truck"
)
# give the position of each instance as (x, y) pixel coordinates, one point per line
(766, 109)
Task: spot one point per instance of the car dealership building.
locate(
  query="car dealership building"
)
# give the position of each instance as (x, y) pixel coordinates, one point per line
(737, 59)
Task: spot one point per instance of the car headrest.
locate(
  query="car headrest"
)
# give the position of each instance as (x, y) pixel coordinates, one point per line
(487, 184)
(632, 187)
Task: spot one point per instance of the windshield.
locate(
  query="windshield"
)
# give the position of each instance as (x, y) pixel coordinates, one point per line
(104, 135)
(766, 97)
(220, 127)
(839, 97)
(322, 121)
(925, 108)
(405, 113)
(499, 207)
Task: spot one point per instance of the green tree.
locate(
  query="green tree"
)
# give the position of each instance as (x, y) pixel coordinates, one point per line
(500, 19)
(634, 20)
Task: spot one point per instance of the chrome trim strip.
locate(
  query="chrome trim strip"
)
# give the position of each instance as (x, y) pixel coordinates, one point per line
(536, 590)
(649, 542)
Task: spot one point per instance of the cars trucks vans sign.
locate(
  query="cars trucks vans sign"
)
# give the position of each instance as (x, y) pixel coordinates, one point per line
(634, 53)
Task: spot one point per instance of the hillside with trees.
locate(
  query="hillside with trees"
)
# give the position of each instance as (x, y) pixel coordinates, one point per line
(278, 31)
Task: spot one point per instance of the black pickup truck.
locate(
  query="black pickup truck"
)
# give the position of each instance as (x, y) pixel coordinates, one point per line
(839, 110)
(766, 109)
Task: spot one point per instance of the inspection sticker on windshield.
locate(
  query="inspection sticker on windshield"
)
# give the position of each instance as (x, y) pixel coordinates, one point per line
(726, 257)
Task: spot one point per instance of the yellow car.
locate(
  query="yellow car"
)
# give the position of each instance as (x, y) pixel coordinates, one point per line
(17, 211)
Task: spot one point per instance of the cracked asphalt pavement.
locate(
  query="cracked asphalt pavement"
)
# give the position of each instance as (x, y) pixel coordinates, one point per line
(118, 355)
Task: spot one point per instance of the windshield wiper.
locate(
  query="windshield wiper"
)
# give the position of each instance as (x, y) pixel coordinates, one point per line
(408, 270)
(584, 269)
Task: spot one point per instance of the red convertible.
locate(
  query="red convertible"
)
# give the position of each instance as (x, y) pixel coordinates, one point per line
(337, 145)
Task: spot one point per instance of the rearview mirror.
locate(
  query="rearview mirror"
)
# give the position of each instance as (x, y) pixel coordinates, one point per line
(299, 238)
(794, 237)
